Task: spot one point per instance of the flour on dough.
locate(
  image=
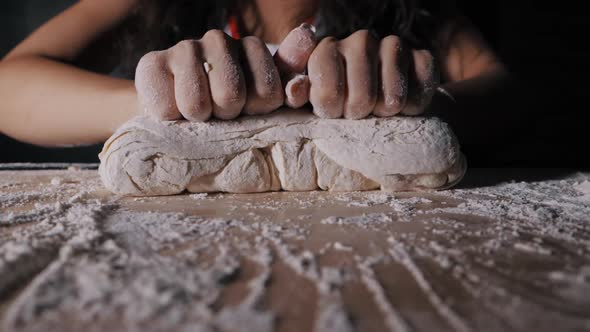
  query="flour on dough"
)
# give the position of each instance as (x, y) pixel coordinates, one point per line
(289, 150)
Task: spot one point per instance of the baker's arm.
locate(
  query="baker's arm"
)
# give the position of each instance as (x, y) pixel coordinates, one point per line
(46, 100)
(481, 99)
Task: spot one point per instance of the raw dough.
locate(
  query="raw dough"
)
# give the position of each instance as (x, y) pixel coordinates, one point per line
(289, 149)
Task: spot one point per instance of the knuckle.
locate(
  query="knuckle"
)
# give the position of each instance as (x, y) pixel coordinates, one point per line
(392, 39)
(151, 69)
(361, 43)
(329, 39)
(214, 35)
(327, 50)
(327, 43)
(187, 47)
(393, 42)
(362, 36)
(184, 44)
(150, 61)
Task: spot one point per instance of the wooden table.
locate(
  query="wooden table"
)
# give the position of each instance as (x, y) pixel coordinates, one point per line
(492, 255)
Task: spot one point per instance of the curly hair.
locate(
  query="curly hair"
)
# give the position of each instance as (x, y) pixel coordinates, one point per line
(159, 24)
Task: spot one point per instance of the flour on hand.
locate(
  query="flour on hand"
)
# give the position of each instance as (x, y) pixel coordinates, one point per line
(289, 150)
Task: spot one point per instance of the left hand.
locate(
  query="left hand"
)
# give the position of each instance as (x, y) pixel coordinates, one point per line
(359, 76)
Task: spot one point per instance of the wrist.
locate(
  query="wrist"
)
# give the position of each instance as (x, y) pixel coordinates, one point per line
(127, 105)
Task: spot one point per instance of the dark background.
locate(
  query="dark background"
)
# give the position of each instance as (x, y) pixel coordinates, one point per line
(543, 43)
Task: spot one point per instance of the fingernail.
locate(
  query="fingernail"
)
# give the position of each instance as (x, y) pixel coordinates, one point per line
(296, 84)
(308, 26)
(297, 91)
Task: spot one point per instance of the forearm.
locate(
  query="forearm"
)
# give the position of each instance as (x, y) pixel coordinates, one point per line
(69, 34)
(48, 103)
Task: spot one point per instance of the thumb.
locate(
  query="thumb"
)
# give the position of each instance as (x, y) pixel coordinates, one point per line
(293, 53)
(291, 60)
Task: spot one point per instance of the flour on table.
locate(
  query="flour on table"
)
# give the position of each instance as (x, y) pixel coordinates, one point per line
(199, 196)
(584, 188)
(364, 220)
(292, 150)
(72, 262)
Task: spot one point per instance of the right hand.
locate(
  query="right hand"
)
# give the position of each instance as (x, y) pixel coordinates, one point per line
(242, 76)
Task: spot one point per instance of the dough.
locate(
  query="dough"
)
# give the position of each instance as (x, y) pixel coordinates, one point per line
(291, 150)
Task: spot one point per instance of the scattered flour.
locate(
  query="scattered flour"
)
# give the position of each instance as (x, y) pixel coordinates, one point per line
(65, 252)
(363, 221)
(584, 188)
(342, 247)
(39, 166)
(198, 196)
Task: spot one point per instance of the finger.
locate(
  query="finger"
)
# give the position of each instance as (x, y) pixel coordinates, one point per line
(295, 50)
(297, 91)
(291, 59)
(155, 87)
(393, 90)
(226, 79)
(191, 85)
(263, 84)
(327, 80)
(423, 81)
(360, 52)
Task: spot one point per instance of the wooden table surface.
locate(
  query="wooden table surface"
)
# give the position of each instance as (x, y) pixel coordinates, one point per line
(493, 255)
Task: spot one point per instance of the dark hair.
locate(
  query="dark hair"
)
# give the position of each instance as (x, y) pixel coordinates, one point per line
(159, 24)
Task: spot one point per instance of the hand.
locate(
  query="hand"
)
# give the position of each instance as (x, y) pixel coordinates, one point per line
(359, 76)
(222, 77)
